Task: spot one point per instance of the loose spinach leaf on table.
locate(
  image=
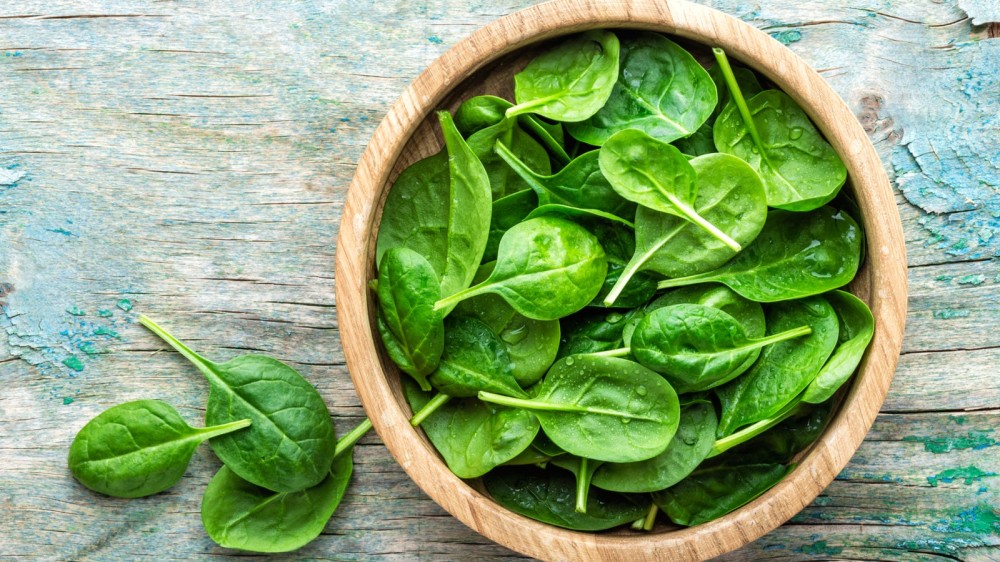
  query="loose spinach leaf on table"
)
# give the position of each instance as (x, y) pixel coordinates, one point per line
(411, 329)
(796, 255)
(710, 493)
(602, 408)
(474, 437)
(138, 448)
(571, 81)
(549, 496)
(801, 171)
(656, 175)
(661, 90)
(729, 195)
(531, 344)
(698, 347)
(784, 369)
(580, 184)
(546, 268)
(290, 444)
(474, 359)
(857, 326)
(240, 515)
(692, 443)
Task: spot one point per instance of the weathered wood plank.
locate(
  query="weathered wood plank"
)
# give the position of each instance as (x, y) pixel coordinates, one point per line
(191, 158)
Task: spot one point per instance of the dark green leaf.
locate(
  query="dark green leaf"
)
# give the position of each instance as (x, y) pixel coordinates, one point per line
(474, 359)
(710, 493)
(857, 326)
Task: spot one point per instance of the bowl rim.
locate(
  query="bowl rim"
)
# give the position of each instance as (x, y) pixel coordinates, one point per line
(883, 287)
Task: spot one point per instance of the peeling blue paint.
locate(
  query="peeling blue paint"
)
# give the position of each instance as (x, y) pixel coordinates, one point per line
(788, 36)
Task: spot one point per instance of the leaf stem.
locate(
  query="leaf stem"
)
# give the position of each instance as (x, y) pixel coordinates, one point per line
(647, 524)
(782, 336)
(693, 216)
(523, 172)
(751, 431)
(582, 485)
(619, 286)
(543, 136)
(737, 96)
(620, 352)
(204, 365)
(217, 430)
(429, 408)
(458, 297)
(683, 281)
(347, 442)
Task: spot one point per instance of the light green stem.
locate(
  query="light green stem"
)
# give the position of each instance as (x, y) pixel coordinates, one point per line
(204, 365)
(458, 297)
(647, 524)
(429, 408)
(543, 136)
(782, 336)
(346, 442)
(737, 96)
(751, 431)
(620, 352)
(683, 281)
(582, 485)
(523, 172)
(693, 216)
(626, 276)
(217, 430)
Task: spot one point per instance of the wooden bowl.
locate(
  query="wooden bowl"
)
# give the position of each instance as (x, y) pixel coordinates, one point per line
(485, 62)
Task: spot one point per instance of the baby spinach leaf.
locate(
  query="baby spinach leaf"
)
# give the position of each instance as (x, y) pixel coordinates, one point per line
(549, 496)
(661, 90)
(290, 444)
(474, 359)
(699, 143)
(138, 448)
(796, 255)
(480, 112)
(656, 175)
(710, 493)
(730, 196)
(857, 326)
(507, 133)
(593, 331)
(580, 184)
(240, 515)
(571, 81)
(546, 268)
(474, 437)
(784, 369)
(507, 211)
(692, 443)
(602, 408)
(698, 347)
(411, 330)
(801, 171)
(583, 470)
(528, 456)
(531, 344)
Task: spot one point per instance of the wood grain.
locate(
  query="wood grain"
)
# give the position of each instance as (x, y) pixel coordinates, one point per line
(193, 157)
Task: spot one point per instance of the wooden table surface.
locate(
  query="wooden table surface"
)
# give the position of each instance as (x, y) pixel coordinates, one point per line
(188, 159)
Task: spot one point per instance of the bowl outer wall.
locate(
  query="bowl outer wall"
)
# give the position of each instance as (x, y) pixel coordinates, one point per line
(882, 282)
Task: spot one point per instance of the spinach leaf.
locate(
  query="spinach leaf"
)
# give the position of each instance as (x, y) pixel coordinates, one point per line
(698, 347)
(531, 455)
(446, 221)
(474, 359)
(583, 470)
(577, 214)
(710, 493)
(546, 268)
(656, 175)
(549, 496)
(692, 443)
(749, 432)
(506, 133)
(801, 171)
(602, 408)
(471, 436)
(730, 196)
(411, 330)
(636, 293)
(580, 184)
(593, 331)
(781, 443)
(137, 448)
(531, 344)
(857, 326)
(507, 212)
(571, 81)
(480, 112)
(784, 369)
(796, 255)
(238, 514)
(698, 144)
(661, 90)
(290, 444)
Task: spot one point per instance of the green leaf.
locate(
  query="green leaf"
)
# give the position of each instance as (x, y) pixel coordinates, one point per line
(857, 326)
(583, 470)
(507, 133)
(602, 408)
(290, 444)
(137, 448)
(411, 329)
(474, 437)
(474, 359)
(710, 493)
(699, 143)
(784, 369)
(549, 496)
(546, 268)
(507, 212)
(730, 196)
(692, 443)
(796, 255)
(571, 81)
(661, 90)
(593, 331)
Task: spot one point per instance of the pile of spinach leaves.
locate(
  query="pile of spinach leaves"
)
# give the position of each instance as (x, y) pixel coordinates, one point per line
(284, 473)
(518, 272)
